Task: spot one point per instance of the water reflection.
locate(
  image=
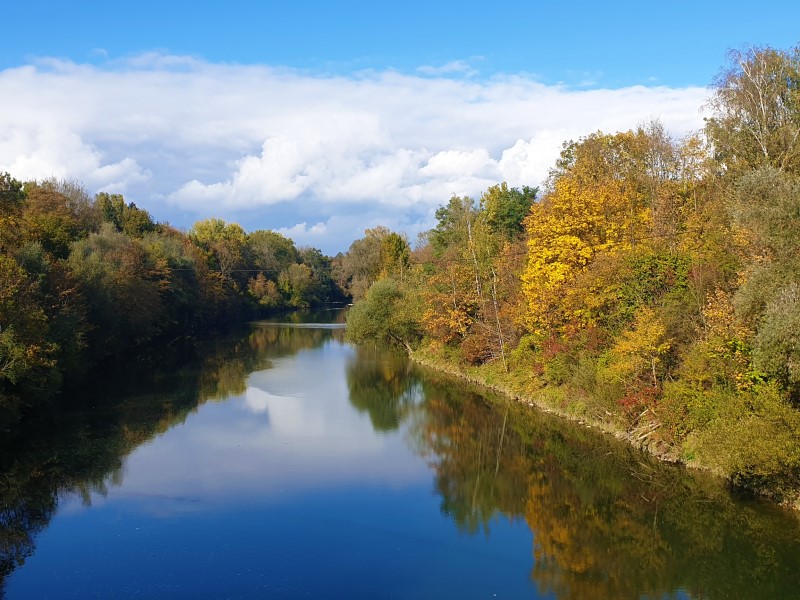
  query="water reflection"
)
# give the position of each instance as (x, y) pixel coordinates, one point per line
(607, 521)
(382, 384)
(304, 435)
(287, 415)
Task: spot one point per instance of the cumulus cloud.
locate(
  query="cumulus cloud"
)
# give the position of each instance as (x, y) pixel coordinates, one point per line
(278, 148)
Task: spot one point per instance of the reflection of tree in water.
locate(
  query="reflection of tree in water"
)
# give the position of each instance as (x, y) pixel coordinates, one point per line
(24, 514)
(607, 521)
(226, 372)
(481, 470)
(381, 384)
(81, 451)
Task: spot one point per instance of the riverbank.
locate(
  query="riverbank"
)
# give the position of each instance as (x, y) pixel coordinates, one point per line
(644, 435)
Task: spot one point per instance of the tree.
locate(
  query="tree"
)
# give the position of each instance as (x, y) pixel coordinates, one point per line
(122, 289)
(25, 353)
(12, 197)
(386, 315)
(362, 264)
(223, 242)
(127, 218)
(506, 209)
(265, 291)
(319, 292)
(395, 256)
(55, 213)
(295, 282)
(756, 106)
(611, 199)
(11, 193)
(767, 204)
(455, 220)
(271, 252)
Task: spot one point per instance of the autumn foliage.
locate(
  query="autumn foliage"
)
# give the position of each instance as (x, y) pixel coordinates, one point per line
(652, 284)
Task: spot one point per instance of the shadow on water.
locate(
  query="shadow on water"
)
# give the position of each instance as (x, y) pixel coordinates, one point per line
(607, 521)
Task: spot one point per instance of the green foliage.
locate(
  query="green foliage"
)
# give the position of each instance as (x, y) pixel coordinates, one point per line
(385, 315)
(271, 252)
(56, 213)
(653, 276)
(362, 264)
(294, 282)
(755, 437)
(223, 243)
(127, 218)
(767, 203)
(24, 350)
(121, 287)
(11, 193)
(506, 209)
(454, 221)
(776, 347)
(321, 288)
(395, 256)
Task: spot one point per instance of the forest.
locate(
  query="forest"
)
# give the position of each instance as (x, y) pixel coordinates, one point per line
(88, 281)
(649, 287)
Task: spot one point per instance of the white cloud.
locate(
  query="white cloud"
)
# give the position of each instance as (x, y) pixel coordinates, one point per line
(270, 147)
(460, 67)
(302, 231)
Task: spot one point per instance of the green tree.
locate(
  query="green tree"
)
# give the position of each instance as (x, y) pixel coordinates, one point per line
(122, 289)
(386, 314)
(767, 204)
(24, 348)
(294, 283)
(395, 256)
(506, 209)
(271, 252)
(127, 218)
(223, 242)
(362, 264)
(320, 291)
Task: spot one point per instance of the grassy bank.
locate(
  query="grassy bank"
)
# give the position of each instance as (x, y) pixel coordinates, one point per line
(643, 432)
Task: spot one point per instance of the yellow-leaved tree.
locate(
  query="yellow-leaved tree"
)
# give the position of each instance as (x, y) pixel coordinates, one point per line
(595, 206)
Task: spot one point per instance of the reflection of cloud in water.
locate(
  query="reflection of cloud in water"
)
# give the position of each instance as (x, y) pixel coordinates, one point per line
(294, 429)
(257, 401)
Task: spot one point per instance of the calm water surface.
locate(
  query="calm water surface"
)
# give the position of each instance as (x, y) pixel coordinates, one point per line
(288, 464)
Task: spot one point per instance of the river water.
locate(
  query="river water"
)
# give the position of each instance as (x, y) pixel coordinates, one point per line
(285, 463)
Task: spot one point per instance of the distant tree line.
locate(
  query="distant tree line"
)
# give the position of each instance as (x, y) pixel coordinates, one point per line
(86, 280)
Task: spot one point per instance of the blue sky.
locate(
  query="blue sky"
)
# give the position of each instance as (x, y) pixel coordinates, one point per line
(322, 118)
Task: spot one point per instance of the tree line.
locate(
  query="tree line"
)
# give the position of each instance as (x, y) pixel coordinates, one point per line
(86, 280)
(651, 284)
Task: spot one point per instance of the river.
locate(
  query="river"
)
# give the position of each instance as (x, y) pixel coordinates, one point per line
(285, 463)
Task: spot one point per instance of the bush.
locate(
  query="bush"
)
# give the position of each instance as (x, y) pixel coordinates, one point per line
(754, 439)
(384, 315)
